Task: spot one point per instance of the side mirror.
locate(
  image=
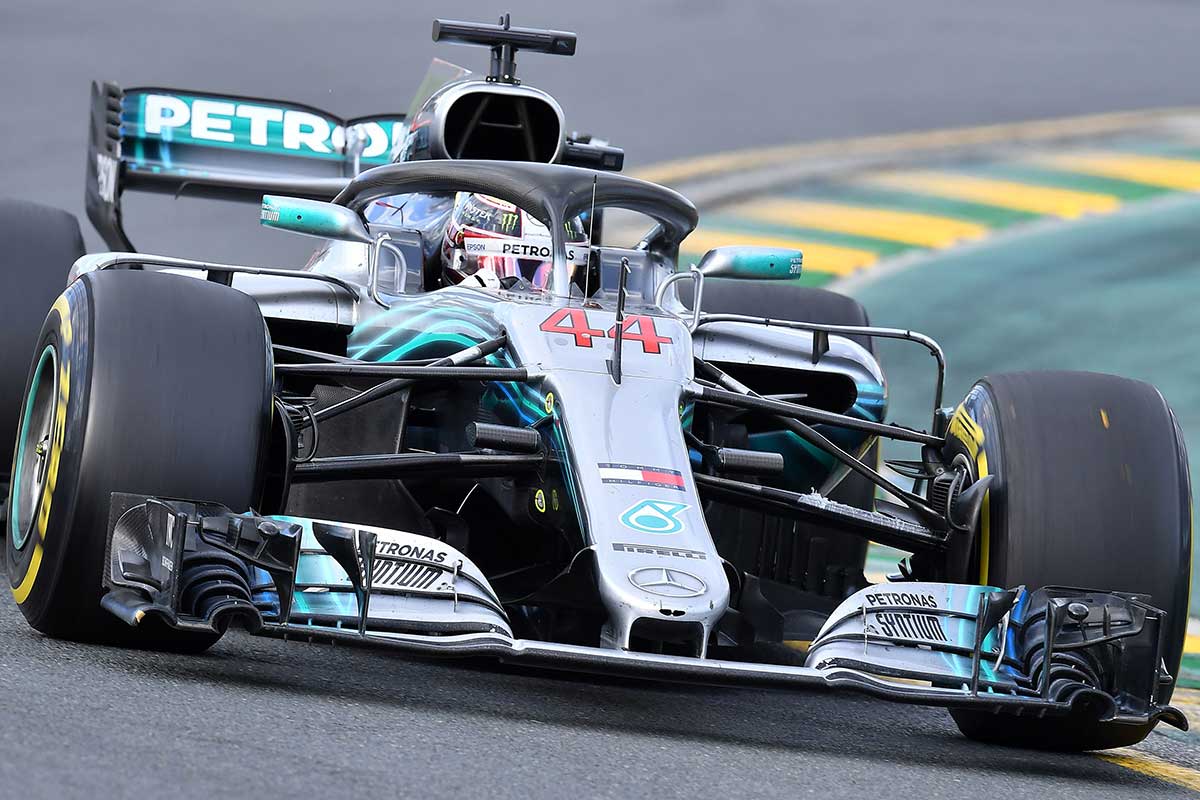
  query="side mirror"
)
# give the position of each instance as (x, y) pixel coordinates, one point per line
(755, 263)
(313, 218)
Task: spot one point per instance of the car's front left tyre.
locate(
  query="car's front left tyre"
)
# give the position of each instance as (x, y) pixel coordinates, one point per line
(1091, 490)
(143, 383)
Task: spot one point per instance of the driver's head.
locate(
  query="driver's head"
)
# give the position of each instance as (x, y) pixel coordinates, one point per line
(493, 243)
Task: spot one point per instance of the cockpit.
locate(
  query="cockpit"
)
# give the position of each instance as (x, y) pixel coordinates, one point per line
(441, 223)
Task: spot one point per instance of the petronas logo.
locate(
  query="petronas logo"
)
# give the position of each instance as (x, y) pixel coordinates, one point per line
(654, 516)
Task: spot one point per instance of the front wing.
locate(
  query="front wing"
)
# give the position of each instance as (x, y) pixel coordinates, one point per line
(1056, 651)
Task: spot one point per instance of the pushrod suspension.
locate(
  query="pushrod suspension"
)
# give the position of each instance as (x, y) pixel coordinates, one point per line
(793, 416)
(395, 384)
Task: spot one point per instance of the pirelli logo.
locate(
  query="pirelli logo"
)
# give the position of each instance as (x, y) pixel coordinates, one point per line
(656, 550)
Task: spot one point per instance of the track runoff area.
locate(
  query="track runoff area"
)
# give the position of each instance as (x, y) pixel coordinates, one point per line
(1069, 244)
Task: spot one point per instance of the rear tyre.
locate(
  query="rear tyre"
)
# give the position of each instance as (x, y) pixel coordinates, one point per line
(836, 560)
(145, 383)
(39, 246)
(1092, 490)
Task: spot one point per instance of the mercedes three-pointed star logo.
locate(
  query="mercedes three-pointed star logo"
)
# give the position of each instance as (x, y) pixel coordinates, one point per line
(666, 582)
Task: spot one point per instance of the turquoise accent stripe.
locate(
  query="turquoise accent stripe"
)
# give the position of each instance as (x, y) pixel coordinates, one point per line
(452, 320)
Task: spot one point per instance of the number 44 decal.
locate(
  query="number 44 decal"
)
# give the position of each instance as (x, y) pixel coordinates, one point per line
(574, 321)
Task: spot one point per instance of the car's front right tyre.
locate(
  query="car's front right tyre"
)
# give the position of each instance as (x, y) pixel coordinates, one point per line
(144, 383)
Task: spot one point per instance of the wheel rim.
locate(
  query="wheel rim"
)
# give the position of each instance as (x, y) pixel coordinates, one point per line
(33, 448)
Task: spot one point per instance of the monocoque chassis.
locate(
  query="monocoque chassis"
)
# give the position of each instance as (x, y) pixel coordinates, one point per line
(591, 407)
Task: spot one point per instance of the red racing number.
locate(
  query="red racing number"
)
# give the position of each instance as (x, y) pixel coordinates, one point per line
(639, 328)
(574, 321)
(577, 326)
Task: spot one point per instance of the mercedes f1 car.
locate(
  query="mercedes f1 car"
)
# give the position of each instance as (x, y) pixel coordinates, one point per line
(474, 424)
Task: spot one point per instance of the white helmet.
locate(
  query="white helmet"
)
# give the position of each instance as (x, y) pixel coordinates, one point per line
(490, 241)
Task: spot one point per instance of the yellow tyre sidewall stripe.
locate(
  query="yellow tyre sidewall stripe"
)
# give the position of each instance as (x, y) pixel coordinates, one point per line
(22, 589)
(967, 430)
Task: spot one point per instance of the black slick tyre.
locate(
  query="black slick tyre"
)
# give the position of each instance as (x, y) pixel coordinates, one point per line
(144, 383)
(1091, 490)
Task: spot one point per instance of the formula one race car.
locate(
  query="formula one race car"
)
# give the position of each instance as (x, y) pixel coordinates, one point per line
(474, 424)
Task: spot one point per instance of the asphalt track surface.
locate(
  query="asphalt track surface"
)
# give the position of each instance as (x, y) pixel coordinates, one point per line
(266, 718)
(263, 717)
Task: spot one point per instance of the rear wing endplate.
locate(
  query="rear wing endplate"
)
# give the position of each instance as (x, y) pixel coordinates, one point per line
(221, 146)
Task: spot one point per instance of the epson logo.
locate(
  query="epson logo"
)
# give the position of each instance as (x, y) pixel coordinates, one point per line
(526, 250)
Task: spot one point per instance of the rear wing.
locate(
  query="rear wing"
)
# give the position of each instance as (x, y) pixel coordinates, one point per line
(222, 146)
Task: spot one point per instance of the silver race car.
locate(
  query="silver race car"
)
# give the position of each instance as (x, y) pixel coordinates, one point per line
(479, 422)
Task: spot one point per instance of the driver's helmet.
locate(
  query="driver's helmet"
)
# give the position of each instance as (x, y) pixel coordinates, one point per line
(495, 244)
